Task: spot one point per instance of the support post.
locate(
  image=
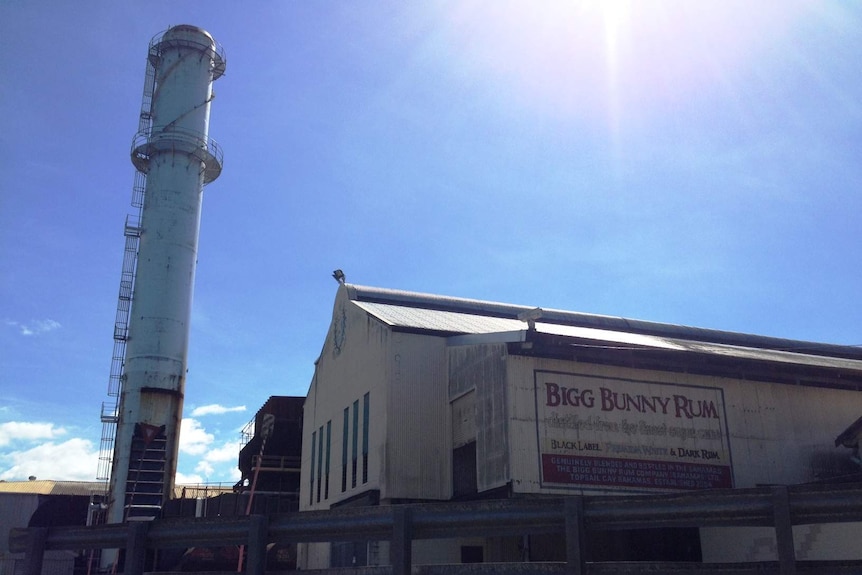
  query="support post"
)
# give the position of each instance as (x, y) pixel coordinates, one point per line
(401, 547)
(35, 552)
(136, 547)
(783, 530)
(574, 511)
(258, 529)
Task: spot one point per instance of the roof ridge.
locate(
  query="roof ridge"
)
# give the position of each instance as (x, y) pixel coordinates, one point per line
(613, 323)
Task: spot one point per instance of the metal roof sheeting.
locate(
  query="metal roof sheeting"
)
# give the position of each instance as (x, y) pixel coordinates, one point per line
(87, 488)
(437, 320)
(648, 341)
(463, 317)
(48, 487)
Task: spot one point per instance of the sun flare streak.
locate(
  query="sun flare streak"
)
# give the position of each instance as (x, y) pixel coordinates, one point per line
(611, 62)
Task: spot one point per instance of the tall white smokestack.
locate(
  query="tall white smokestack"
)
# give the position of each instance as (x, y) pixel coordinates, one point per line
(175, 155)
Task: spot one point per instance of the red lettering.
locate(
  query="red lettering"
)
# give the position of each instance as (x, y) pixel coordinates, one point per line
(607, 399)
(690, 408)
(553, 394)
(709, 410)
(682, 405)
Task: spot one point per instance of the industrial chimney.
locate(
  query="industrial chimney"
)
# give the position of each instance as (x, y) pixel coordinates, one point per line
(174, 158)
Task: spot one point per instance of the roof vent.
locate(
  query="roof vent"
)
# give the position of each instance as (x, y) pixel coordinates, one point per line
(530, 316)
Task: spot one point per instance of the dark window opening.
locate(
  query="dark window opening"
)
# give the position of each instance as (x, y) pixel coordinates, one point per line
(669, 544)
(311, 475)
(464, 480)
(344, 449)
(355, 440)
(366, 400)
(319, 462)
(326, 473)
(664, 544)
(348, 554)
(472, 554)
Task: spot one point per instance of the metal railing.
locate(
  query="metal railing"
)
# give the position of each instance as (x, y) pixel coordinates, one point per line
(778, 507)
(156, 139)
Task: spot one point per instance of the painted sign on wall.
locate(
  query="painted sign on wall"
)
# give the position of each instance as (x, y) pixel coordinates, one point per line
(623, 433)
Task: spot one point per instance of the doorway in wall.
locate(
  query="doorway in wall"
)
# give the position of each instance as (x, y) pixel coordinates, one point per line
(667, 544)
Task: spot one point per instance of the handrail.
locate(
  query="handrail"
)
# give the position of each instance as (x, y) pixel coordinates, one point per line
(213, 49)
(162, 138)
(780, 507)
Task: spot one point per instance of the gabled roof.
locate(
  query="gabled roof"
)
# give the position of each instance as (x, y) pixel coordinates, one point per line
(470, 321)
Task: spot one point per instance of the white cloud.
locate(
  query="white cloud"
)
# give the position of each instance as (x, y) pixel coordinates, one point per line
(227, 452)
(202, 459)
(194, 439)
(39, 449)
(73, 460)
(205, 468)
(220, 463)
(26, 431)
(183, 479)
(234, 475)
(35, 327)
(215, 409)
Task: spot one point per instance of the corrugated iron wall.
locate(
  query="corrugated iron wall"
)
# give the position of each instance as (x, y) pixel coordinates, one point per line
(483, 368)
(419, 443)
(778, 434)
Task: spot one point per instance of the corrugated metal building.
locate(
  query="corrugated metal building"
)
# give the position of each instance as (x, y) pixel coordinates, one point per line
(49, 503)
(418, 397)
(42, 503)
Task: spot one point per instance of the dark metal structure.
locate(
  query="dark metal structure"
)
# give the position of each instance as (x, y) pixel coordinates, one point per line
(576, 517)
(270, 459)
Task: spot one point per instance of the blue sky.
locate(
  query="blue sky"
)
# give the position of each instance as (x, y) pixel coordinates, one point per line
(681, 162)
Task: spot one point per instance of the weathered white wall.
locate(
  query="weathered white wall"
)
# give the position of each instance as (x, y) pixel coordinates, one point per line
(354, 361)
(409, 423)
(777, 432)
(482, 370)
(419, 440)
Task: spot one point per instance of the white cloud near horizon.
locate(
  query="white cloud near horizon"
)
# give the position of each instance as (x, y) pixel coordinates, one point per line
(73, 460)
(12, 431)
(183, 479)
(211, 462)
(215, 470)
(215, 409)
(35, 451)
(35, 327)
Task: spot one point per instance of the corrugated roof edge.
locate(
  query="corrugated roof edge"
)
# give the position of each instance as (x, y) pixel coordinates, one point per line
(51, 487)
(63, 487)
(613, 323)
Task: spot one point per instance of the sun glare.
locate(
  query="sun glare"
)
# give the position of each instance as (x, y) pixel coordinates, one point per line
(615, 14)
(602, 60)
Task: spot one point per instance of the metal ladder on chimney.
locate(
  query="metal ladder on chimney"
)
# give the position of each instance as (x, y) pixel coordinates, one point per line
(132, 232)
(144, 488)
